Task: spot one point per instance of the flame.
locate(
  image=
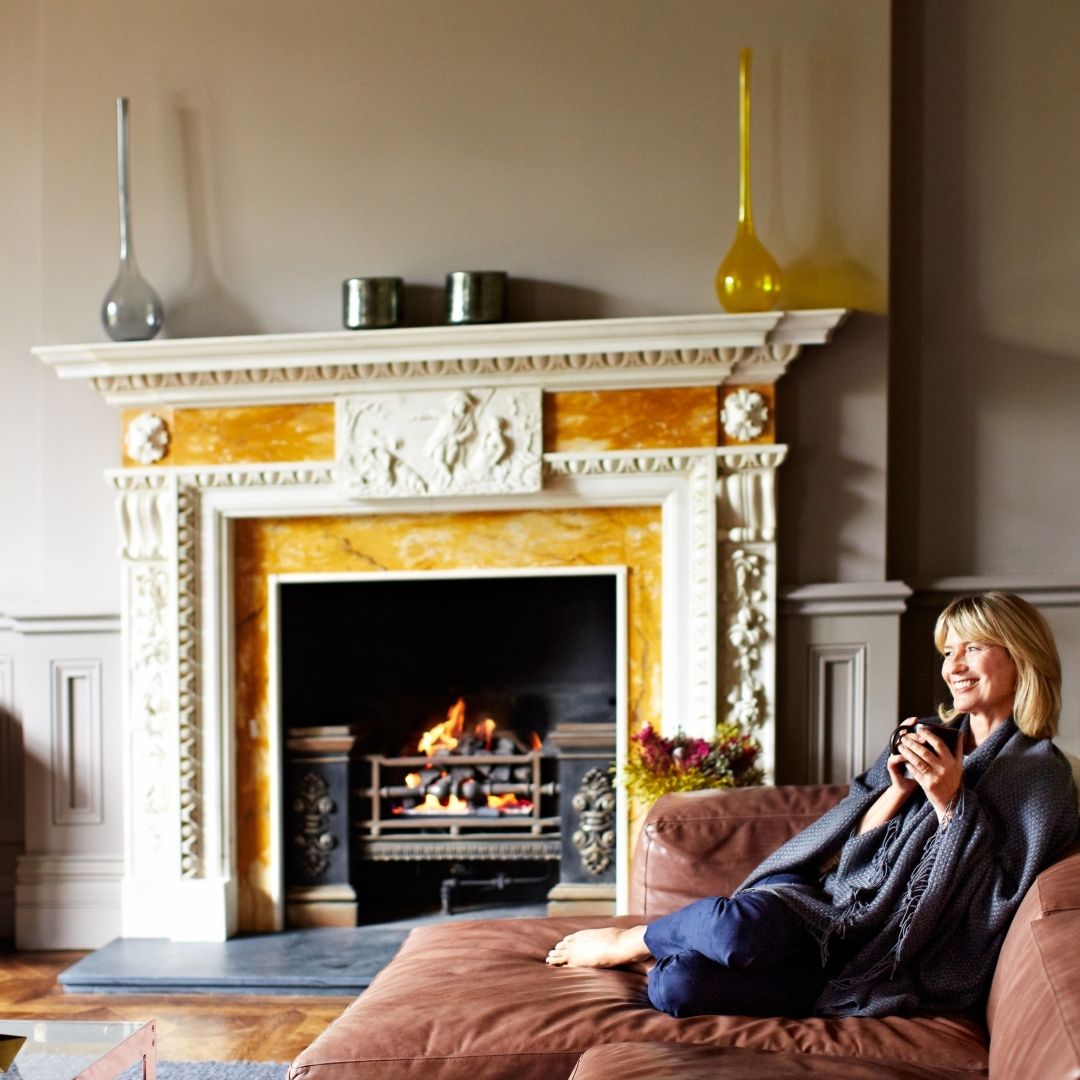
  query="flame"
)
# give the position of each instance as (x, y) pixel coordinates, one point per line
(453, 805)
(508, 802)
(444, 736)
(431, 805)
(537, 742)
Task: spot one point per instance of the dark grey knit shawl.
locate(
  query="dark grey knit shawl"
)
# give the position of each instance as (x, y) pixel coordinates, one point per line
(923, 909)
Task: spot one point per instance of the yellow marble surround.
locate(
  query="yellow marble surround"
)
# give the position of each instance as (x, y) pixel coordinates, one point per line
(627, 419)
(244, 434)
(573, 421)
(623, 536)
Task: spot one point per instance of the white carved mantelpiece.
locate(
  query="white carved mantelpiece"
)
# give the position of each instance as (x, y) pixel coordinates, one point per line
(682, 350)
(441, 420)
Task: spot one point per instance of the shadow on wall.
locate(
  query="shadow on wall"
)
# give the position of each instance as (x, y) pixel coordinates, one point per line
(827, 273)
(831, 413)
(983, 394)
(527, 300)
(204, 305)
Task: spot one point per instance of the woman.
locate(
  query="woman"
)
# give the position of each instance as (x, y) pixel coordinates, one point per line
(897, 900)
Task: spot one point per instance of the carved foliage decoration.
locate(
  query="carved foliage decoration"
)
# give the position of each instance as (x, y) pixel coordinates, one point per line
(461, 442)
(594, 837)
(745, 601)
(313, 809)
(148, 663)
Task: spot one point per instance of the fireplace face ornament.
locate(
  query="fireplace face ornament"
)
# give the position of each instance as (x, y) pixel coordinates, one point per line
(712, 653)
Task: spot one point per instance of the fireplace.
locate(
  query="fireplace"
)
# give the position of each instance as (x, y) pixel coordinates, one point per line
(645, 446)
(378, 771)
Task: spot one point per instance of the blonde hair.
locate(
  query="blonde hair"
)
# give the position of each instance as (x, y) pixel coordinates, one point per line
(1000, 618)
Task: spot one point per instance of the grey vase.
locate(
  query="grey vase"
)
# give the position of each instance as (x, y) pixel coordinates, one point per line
(132, 311)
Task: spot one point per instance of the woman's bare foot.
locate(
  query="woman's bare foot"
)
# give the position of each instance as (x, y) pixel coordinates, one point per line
(606, 947)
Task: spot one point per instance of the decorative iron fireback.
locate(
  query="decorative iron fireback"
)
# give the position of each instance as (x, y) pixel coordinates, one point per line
(595, 836)
(314, 807)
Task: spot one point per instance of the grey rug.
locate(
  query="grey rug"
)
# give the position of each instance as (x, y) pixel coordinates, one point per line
(325, 961)
(215, 1070)
(53, 1065)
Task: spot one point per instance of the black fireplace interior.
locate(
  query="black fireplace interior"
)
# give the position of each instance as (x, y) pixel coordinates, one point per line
(394, 655)
(388, 657)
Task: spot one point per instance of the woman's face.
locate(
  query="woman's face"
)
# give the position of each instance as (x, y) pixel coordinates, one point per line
(982, 677)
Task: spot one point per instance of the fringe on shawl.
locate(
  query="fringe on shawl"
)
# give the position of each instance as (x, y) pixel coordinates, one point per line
(916, 887)
(845, 917)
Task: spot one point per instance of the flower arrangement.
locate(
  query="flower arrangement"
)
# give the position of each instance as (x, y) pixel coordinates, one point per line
(656, 765)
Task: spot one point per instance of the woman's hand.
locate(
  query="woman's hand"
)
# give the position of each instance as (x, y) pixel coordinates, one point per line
(934, 768)
(889, 802)
(903, 784)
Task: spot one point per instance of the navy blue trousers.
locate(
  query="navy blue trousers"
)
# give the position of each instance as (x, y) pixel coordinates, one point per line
(749, 955)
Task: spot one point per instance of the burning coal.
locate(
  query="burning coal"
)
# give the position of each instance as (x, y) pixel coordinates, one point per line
(477, 773)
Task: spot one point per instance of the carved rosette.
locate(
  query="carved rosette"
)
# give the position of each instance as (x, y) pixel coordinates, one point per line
(745, 414)
(461, 442)
(594, 838)
(147, 439)
(314, 810)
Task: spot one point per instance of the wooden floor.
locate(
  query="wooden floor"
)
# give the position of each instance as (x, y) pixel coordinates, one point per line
(191, 1027)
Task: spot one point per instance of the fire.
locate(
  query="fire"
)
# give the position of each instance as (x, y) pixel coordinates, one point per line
(431, 805)
(443, 739)
(508, 804)
(444, 736)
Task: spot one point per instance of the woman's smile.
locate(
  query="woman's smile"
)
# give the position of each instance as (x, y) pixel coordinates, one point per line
(981, 676)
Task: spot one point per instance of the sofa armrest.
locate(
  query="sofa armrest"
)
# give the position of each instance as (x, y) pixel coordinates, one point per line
(1034, 1009)
(704, 843)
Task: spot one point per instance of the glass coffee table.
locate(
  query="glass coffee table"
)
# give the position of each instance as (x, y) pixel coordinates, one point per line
(77, 1049)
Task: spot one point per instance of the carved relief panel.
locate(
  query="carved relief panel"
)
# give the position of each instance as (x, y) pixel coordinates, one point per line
(457, 442)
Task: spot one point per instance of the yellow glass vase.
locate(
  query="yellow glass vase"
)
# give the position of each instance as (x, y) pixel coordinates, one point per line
(749, 278)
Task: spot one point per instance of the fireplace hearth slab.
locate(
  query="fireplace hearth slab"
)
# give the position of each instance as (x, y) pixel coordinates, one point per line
(325, 961)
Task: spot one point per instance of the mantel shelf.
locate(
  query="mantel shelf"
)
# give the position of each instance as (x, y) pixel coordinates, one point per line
(582, 354)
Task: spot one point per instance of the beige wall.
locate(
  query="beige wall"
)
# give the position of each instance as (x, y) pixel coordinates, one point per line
(589, 148)
(986, 371)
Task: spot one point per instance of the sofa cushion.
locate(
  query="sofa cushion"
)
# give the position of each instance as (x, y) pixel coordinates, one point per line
(650, 1061)
(475, 1000)
(1034, 1010)
(705, 843)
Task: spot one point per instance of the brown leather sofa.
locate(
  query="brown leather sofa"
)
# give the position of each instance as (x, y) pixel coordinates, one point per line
(475, 1000)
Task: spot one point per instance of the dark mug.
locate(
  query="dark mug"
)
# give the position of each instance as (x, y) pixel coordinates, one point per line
(948, 734)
